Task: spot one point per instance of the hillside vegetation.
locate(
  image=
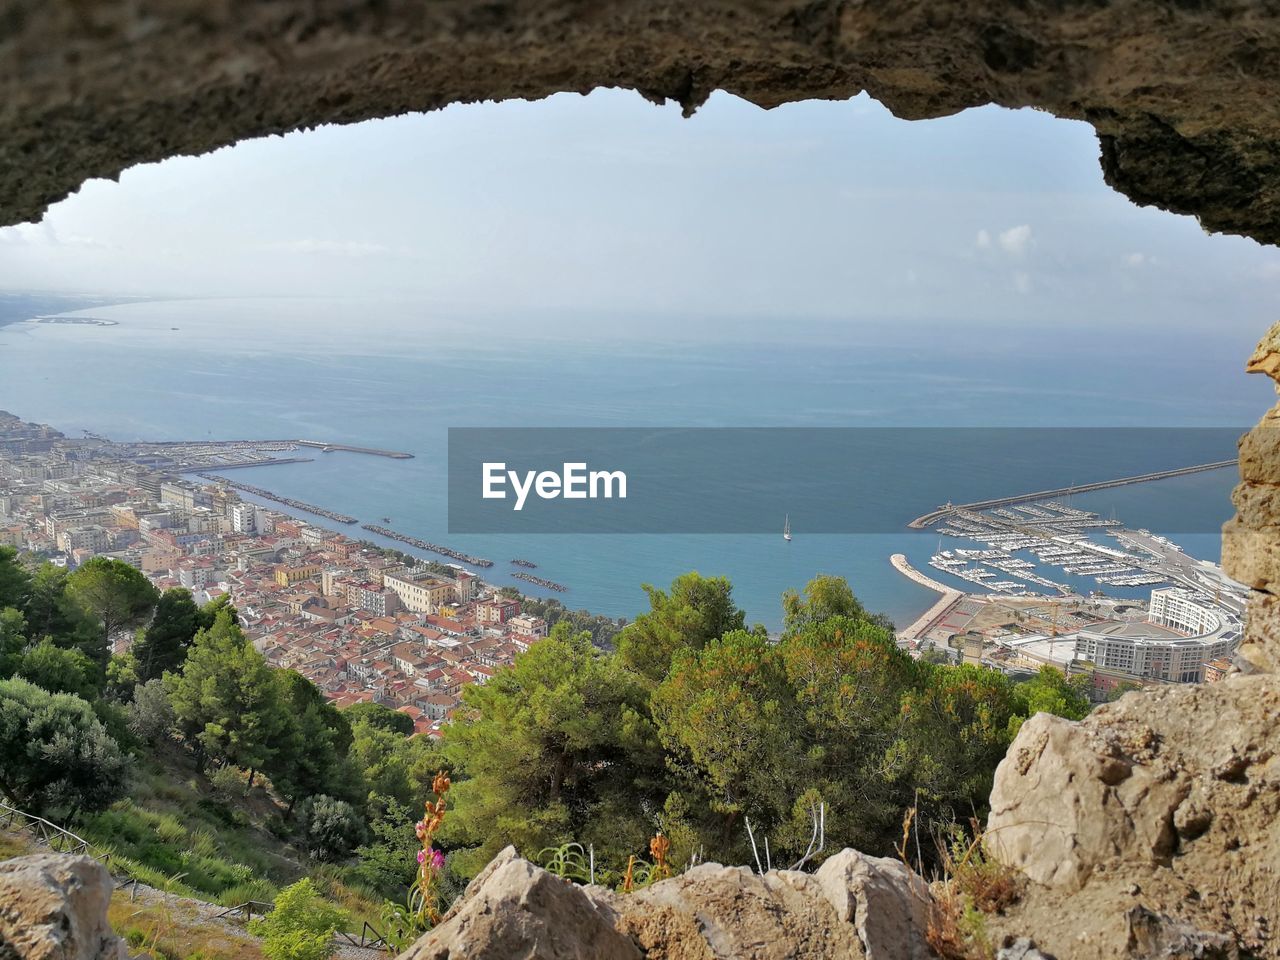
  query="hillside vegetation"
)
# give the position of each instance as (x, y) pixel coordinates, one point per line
(208, 773)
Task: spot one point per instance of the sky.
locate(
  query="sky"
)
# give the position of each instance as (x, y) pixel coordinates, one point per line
(818, 213)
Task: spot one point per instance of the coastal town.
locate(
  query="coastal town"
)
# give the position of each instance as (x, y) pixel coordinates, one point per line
(362, 622)
(366, 622)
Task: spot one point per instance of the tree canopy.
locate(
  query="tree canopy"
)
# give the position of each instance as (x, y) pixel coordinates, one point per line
(696, 611)
(557, 747)
(115, 593)
(226, 699)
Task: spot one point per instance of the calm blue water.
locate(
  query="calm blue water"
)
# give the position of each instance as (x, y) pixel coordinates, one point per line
(385, 375)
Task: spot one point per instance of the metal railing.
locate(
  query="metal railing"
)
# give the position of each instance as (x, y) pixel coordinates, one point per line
(49, 834)
(247, 909)
(370, 939)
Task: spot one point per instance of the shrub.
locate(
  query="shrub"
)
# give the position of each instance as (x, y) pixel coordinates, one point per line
(302, 925)
(150, 714)
(331, 828)
(55, 750)
(227, 781)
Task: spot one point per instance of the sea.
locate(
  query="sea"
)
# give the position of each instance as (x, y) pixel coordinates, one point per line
(392, 375)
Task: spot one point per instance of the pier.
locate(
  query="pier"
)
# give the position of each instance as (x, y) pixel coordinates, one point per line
(922, 522)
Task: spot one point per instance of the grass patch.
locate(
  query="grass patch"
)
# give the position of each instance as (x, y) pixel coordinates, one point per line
(14, 844)
(974, 887)
(168, 931)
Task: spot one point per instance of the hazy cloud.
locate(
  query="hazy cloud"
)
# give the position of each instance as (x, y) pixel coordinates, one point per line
(43, 235)
(1016, 240)
(337, 248)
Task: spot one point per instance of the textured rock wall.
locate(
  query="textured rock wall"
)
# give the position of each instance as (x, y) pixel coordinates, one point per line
(1185, 94)
(1251, 541)
(54, 907)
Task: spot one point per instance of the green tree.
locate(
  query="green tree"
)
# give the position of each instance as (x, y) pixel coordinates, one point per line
(59, 671)
(13, 640)
(850, 679)
(163, 645)
(226, 700)
(957, 732)
(302, 925)
(388, 863)
(696, 611)
(824, 597)
(1050, 691)
(209, 612)
(56, 752)
(391, 765)
(559, 747)
(15, 581)
(384, 718)
(732, 729)
(114, 593)
(51, 613)
(309, 758)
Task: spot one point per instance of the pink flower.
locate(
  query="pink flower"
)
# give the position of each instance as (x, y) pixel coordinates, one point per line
(437, 859)
(422, 855)
(420, 829)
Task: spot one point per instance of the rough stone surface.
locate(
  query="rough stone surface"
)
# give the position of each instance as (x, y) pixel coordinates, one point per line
(728, 912)
(1260, 650)
(1185, 96)
(1160, 937)
(54, 907)
(1022, 948)
(1168, 800)
(854, 906)
(1251, 539)
(515, 909)
(887, 903)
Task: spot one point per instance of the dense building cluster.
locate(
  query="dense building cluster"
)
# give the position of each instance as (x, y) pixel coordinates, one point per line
(359, 622)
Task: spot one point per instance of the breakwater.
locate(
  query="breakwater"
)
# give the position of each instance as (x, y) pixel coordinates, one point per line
(541, 582)
(921, 522)
(347, 448)
(271, 462)
(425, 545)
(276, 498)
(948, 599)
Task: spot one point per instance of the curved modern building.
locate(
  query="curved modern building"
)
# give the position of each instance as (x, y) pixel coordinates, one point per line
(1182, 632)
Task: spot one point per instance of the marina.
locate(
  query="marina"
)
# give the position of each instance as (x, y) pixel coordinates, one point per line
(1055, 535)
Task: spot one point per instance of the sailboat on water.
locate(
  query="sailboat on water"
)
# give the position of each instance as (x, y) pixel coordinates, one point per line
(786, 529)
